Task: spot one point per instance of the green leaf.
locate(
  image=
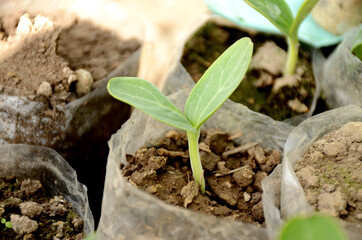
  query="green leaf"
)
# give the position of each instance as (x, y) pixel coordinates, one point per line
(303, 12)
(312, 228)
(218, 82)
(145, 96)
(8, 225)
(276, 11)
(357, 44)
(3, 220)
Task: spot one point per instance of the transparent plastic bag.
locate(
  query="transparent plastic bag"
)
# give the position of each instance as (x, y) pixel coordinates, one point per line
(290, 192)
(341, 81)
(54, 173)
(128, 213)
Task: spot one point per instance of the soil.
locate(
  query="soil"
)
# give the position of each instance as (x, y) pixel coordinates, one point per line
(233, 174)
(43, 60)
(264, 89)
(330, 173)
(35, 215)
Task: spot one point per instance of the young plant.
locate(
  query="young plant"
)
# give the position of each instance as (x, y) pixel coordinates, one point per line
(279, 14)
(6, 223)
(210, 92)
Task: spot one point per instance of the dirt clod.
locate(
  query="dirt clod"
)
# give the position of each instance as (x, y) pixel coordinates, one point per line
(209, 160)
(258, 212)
(30, 186)
(332, 203)
(23, 224)
(189, 192)
(244, 177)
(30, 209)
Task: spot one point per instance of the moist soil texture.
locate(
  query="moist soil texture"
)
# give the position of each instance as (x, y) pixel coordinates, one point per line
(46, 61)
(35, 215)
(330, 173)
(264, 89)
(233, 174)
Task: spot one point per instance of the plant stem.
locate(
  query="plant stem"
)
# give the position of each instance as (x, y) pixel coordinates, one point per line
(197, 171)
(293, 48)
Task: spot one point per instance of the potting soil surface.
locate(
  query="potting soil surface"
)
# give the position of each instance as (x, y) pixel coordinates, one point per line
(41, 59)
(35, 215)
(233, 174)
(330, 173)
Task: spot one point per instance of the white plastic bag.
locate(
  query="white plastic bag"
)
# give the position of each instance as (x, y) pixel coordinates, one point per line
(291, 194)
(341, 81)
(54, 173)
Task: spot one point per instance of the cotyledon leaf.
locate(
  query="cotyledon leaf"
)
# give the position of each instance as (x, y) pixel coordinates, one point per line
(218, 82)
(145, 96)
(276, 11)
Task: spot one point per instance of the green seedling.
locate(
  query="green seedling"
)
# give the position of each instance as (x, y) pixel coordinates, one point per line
(356, 48)
(279, 14)
(210, 92)
(6, 223)
(315, 227)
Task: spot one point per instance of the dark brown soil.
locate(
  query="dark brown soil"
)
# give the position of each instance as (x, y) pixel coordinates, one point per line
(263, 89)
(34, 214)
(233, 174)
(330, 173)
(42, 60)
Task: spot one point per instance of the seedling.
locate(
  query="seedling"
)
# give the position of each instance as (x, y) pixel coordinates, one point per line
(315, 227)
(210, 92)
(279, 14)
(6, 223)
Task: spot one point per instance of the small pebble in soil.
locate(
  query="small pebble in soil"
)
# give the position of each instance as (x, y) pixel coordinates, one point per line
(84, 82)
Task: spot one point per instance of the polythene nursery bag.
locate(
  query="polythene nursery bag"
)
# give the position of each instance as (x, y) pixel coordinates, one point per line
(290, 192)
(341, 81)
(54, 173)
(129, 213)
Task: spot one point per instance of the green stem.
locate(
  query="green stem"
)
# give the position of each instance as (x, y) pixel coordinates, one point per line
(197, 171)
(293, 48)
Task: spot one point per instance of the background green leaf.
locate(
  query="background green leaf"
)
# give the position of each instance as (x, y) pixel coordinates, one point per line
(218, 82)
(145, 96)
(277, 11)
(312, 228)
(357, 44)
